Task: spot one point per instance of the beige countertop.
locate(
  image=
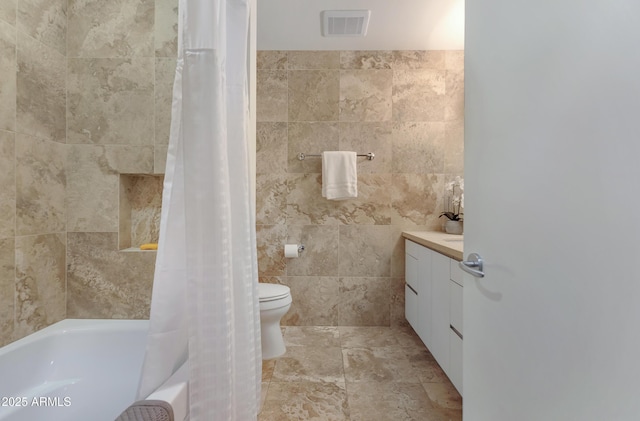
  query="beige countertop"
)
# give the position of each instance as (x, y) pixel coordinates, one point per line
(448, 244)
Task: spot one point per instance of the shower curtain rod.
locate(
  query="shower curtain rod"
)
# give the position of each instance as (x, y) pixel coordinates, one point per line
(370, 155)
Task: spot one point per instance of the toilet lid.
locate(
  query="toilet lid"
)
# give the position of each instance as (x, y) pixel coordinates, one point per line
(270, 292)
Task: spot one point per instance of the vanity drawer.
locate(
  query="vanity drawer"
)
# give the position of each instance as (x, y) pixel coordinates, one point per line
(456, 272)
(411, 307)
(411, 271)
(413, 249)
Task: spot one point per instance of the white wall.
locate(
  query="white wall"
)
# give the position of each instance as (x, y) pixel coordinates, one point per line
(394, 25)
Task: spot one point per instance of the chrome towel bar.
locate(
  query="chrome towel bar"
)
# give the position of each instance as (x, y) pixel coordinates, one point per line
(370, 155)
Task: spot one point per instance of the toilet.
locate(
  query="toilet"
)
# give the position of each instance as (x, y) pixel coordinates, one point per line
(275, 301)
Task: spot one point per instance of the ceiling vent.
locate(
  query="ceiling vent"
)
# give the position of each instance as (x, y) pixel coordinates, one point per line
(345, 23)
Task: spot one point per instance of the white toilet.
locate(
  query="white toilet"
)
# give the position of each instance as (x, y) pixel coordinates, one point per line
(275, 301)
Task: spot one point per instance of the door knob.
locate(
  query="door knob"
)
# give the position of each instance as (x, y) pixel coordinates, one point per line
(473, 265)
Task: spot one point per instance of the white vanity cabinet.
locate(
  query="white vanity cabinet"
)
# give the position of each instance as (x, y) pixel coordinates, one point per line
(433, 305)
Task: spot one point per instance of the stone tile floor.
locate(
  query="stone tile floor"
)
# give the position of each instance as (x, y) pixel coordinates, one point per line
(356, 374)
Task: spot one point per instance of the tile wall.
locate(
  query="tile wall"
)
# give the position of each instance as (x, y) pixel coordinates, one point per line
(32, 165)
(406, 107)
(85, 95)
(120, 77)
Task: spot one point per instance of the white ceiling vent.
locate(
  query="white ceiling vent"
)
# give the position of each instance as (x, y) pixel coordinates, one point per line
(345, 23)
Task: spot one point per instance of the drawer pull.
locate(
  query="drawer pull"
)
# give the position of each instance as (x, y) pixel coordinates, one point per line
(414, 291)
(456, 331)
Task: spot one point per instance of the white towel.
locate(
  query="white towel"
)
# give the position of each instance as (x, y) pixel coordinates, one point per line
(339, 175)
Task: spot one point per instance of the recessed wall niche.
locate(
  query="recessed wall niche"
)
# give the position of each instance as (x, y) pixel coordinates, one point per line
(140, 206)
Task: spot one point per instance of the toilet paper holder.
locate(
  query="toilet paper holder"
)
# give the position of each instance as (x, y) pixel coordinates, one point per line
(293, 250)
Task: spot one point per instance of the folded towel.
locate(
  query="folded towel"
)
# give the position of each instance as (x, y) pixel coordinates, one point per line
(339, 175)
(149, 246)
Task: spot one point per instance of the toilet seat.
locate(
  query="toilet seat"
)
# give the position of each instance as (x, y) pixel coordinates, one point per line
(272, 292)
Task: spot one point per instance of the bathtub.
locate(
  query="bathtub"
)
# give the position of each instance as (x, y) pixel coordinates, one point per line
(80, 370)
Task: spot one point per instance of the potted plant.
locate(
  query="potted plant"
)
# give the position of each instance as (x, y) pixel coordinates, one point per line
(454, 206)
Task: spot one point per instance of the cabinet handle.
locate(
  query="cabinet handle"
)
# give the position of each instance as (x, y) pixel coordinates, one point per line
(473, 265)
(414, 291)
(456, 331)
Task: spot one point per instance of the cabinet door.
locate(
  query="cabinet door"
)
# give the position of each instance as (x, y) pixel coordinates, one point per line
(411, 268)
(425, 280)
(455, 363)
(440, 309)
(455, 340)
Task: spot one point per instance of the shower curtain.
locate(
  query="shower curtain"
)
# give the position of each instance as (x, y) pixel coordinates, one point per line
(205, 306)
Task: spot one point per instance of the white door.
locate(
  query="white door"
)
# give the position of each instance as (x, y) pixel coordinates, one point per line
(552, 175)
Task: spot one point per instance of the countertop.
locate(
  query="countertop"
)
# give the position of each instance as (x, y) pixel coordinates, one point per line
(448, 244)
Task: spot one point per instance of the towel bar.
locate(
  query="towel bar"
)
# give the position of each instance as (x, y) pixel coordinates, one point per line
(370, 155)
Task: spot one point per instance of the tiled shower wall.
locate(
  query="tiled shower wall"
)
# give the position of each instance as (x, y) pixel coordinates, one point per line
(32, 166)
(120, 77)
(85, 95)
(404, 106)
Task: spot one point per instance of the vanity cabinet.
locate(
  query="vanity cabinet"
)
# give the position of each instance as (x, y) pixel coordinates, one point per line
(433, 305)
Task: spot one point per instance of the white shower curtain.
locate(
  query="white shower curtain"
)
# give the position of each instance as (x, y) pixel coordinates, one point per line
(205, 305)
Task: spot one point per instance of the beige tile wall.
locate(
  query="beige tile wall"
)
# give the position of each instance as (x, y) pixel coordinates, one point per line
(407, 108)
(32, 166)
(120, 75)
(104, 282)
(85, 95)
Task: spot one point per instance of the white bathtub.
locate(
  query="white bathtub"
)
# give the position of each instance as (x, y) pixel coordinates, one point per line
(80, 370)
